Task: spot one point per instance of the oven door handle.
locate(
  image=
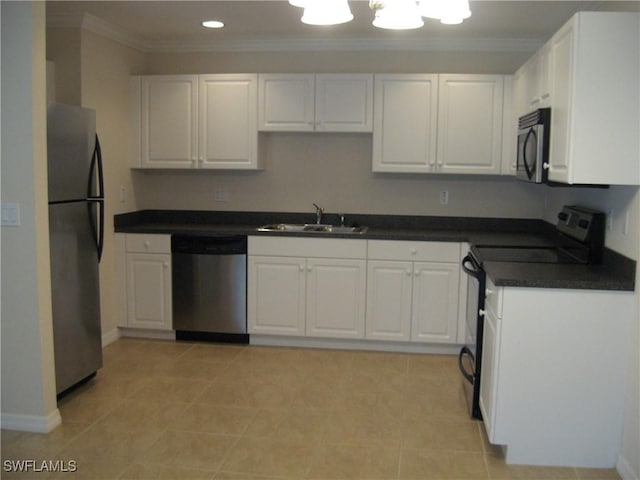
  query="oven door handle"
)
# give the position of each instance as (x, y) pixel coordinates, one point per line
(470, 267)
(465, 352)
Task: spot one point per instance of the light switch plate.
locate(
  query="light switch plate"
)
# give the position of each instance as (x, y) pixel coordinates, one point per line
(10, 214)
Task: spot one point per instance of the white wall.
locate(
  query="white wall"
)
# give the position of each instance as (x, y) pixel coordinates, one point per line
(106, 67)
(28, 376)
(334, 171)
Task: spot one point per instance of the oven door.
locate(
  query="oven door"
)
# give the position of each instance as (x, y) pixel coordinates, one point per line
(470, 357)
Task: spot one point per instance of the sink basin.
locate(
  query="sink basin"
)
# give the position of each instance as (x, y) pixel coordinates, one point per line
(310, 228)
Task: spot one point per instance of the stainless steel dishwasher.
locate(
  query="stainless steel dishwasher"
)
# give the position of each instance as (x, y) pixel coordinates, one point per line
(209, 283)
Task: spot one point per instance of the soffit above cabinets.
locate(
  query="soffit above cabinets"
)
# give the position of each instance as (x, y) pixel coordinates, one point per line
(273, 25)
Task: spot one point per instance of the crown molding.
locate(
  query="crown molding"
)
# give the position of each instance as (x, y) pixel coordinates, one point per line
(96, 25)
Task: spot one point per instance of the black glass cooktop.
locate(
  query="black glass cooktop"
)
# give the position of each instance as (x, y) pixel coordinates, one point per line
(517, 254)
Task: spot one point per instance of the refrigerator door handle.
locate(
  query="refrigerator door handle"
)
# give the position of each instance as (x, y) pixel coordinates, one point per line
(96, 166)
(98, 199)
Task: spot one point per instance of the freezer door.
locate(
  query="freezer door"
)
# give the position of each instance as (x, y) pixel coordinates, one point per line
(75, 293)
(71, 140)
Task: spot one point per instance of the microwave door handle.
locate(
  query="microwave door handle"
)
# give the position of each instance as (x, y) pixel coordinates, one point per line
(529, 169)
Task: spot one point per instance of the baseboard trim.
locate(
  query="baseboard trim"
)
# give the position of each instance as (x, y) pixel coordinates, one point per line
(147, 333)
(348, 344)
(31, 423)
(625, 470)
(110, 337)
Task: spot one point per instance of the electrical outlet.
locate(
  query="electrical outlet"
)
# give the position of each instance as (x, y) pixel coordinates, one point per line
(221, 194)
(444, 197)
(123, 194)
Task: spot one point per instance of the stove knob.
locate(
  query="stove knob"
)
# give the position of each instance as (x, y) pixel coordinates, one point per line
(563, 216)
(583, 223)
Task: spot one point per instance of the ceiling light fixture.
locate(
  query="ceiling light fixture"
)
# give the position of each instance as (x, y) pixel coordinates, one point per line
(396, 14)
(325, 12)
(450, 12)
(212, 24)
(390, 14)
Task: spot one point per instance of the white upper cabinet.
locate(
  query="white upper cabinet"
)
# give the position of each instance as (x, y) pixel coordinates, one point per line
(438, 124)
(195, 121)
(469, 124)
(594, 97)
(286, 102)
(228, 127)
(344, 103)
(405, 123)
(169, 121)
(309, 102)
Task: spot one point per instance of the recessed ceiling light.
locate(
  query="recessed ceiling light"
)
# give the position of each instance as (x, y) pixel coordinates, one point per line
(212, 24)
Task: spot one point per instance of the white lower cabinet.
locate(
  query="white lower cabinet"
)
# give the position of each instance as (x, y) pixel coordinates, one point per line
(554, 374)
(147, 278)
(276, 299)
(306, 287)
(413, 300)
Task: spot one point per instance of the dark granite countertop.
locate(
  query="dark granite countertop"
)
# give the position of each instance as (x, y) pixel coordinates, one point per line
(615, 273)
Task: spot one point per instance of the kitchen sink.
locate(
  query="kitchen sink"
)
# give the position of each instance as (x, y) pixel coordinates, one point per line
(311, 228)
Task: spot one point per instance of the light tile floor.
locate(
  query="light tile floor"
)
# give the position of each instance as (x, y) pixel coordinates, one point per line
(171, 410)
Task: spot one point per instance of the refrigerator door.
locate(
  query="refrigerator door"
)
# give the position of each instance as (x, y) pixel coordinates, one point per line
(75, 293)
(71, 141)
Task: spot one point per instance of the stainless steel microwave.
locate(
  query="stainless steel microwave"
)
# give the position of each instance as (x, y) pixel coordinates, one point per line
(533, 146)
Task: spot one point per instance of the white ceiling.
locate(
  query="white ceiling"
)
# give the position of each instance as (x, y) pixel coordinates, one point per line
(173, 24)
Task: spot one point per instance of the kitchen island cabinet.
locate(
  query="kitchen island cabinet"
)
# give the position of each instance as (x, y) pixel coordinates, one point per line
(306, 287)
(554, 369)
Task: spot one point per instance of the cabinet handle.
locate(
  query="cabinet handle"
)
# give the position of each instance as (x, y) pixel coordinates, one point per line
(165, 264)
(546, 166)
(147, 244)
(414, 251)
(301, 268)
(309, 268)
(408, 272)
(481, 312)
(488, 292)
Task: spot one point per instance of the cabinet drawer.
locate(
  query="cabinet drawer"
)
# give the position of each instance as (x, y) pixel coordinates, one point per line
(493, 298)
(147, 243)
(308, 247)
(418, 251)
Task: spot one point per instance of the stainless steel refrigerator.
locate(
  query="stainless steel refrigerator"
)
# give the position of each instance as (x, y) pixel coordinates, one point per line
(76, 224)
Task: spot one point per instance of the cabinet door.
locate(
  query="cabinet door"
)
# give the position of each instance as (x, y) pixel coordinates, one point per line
(561, 61)
(470, 124)
(149, 290)
(228, 121)
(435, 302)
(286, 102)
(389, 300)
(169, 116)
(489, 377)
(344, 103)
(276, 295)
(335, 298)
(404, 123)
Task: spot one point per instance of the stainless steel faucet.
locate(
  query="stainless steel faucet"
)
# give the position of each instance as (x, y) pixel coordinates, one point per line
(319, 212)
